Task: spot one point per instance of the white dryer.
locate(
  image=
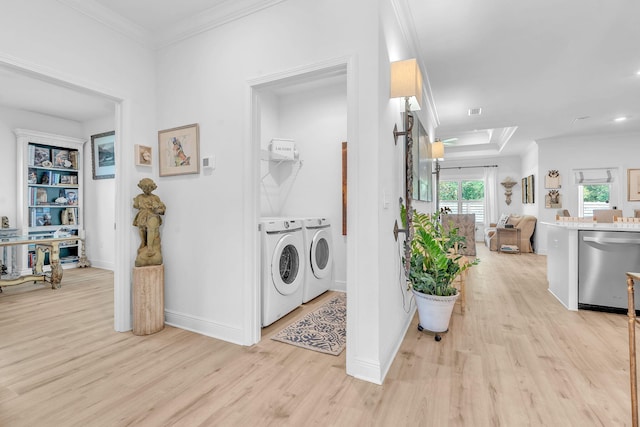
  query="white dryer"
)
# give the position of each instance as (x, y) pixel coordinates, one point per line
(282, 268)
(319, 257)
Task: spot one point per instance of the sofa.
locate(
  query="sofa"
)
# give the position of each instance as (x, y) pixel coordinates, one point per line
(527, 226)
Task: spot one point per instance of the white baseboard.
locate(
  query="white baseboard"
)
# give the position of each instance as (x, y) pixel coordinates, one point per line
(366, 370)
(396, 348)
(204, 327)
(339, 285)
(107, 265)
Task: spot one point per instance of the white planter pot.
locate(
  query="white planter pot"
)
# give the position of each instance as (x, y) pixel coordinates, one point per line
(434, 311)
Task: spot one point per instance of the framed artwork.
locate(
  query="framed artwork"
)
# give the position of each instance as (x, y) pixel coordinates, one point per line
(103, 155)
(524, 190)
(143, 155)
(344, 188)
(61, 158)
(179, 150)
(633, 185)
(41, 157)
(530, 190)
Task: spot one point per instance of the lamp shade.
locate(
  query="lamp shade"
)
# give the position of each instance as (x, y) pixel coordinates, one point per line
(406, 81)
(437, 150)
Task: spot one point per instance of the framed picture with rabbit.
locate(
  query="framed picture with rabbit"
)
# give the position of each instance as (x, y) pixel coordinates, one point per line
(179, 150)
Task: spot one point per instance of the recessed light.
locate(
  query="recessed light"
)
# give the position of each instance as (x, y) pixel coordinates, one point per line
(620, 119)
(475, 111)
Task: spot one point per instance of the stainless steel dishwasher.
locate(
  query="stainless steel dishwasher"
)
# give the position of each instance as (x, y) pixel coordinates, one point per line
(603, 259)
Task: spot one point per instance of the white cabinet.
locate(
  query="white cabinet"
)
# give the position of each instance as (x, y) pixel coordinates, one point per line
(50, 191)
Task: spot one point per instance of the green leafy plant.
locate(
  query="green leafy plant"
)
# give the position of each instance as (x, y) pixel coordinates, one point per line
(434, 260)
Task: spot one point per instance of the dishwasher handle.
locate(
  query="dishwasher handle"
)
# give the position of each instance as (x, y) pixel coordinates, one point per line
(612, 240)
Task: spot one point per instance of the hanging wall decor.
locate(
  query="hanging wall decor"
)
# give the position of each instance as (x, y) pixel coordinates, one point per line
(553, 200)
(633, 185)
(530, 190)
(552, 179)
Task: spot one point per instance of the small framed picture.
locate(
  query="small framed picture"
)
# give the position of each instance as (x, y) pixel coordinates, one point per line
(178, 150)
(71, 196)
(633, 185)
(41, 156)
(61, 158)
(143, 155)
(103, 155)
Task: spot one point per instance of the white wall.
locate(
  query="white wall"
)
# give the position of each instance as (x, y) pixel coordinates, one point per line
(99, 201)
(622, 151)
(11, 119)
(213, 247)
(57, 42)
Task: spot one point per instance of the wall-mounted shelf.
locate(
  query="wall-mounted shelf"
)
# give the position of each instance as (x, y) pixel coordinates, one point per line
(275, 157)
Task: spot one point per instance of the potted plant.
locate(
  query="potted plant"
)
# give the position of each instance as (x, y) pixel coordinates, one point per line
(433, 268)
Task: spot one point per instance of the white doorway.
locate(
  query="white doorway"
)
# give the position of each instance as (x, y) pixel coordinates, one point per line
(310, 107)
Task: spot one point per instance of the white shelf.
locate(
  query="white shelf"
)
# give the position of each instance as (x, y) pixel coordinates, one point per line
(275, 157)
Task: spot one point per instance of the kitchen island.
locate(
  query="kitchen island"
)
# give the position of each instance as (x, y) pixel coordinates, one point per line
(587, 262)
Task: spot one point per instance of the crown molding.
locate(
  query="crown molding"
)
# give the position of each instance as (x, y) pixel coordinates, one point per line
(223, 13)
(116, 22)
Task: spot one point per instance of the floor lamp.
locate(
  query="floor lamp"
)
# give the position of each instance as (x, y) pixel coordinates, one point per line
(437, 154)
(406, 82)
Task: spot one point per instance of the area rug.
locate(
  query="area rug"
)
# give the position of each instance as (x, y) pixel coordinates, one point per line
(323, 329)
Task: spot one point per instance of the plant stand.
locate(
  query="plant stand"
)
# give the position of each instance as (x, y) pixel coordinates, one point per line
(437, 335)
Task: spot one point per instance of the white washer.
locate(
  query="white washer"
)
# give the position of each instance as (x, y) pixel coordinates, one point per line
(319, 257)
(282, 267)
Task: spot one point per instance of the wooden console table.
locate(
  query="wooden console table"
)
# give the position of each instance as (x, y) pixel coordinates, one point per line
(43, 245)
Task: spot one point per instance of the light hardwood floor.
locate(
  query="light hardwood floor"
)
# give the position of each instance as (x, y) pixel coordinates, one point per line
(515, 358)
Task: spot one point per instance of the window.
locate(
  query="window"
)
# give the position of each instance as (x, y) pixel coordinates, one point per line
(595, 190)
(595, 196)
(463, 196)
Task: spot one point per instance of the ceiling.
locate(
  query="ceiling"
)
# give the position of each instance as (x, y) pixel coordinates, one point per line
(547, 68)
(538, 70)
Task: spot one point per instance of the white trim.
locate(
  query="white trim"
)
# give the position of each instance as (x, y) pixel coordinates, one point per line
(223, 13)
(391, 356)
(251, 291)
(112, 20)
(105, 265)
(122, 277)
(49, 75)
(365, 369)
(204, 326)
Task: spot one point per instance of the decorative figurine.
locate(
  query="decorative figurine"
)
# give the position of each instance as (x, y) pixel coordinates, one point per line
(148, 221)
(5, 222)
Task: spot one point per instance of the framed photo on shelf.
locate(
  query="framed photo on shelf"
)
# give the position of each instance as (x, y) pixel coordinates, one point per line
(633, 185)
(179, 150)
(143, 155)
(41, 156)
(103, 155)
(61, 158)
(72, 196)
